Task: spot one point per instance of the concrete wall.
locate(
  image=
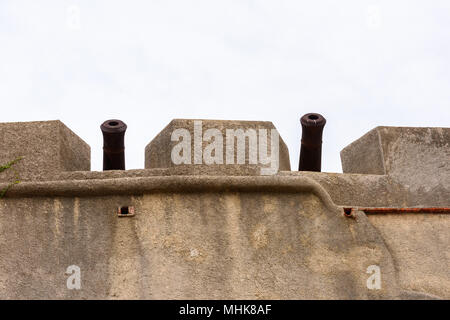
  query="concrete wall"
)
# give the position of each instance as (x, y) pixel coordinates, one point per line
(224, 233)
(48, 147)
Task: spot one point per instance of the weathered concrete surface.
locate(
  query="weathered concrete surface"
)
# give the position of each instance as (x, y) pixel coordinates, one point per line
(307, 242)
(238, 245)
(369, 190)
(364, 155)
(47, 147)
(416, 157)
(227, 232)
(420, 245)
(158, 151)
(344, 189)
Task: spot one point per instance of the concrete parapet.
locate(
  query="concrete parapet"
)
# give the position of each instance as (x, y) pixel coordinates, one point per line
(47, 147)
(413, 156)
(204, 136)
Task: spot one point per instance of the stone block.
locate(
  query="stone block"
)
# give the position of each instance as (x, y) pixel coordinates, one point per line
(47, 147)
(415, 157)
(209, 146)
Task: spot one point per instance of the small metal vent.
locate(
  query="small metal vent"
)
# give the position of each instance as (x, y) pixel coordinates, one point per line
(125, 211)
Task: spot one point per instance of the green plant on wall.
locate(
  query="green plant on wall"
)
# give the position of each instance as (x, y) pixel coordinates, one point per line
(17, 179)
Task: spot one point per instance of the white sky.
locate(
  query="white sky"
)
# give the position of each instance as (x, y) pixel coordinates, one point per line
(359, 63)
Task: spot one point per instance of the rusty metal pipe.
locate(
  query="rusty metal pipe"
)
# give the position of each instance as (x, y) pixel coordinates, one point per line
(348, 210)
(113, 144)
(311, 147)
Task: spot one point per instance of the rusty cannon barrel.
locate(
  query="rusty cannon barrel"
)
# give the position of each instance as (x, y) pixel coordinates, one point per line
(113, 144)
(311, 148)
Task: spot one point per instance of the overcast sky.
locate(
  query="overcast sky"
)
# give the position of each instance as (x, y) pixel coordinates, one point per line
(359, 63)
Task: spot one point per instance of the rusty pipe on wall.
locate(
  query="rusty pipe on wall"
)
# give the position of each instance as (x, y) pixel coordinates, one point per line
(113, 144)
(349, 210)
(311, 146)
